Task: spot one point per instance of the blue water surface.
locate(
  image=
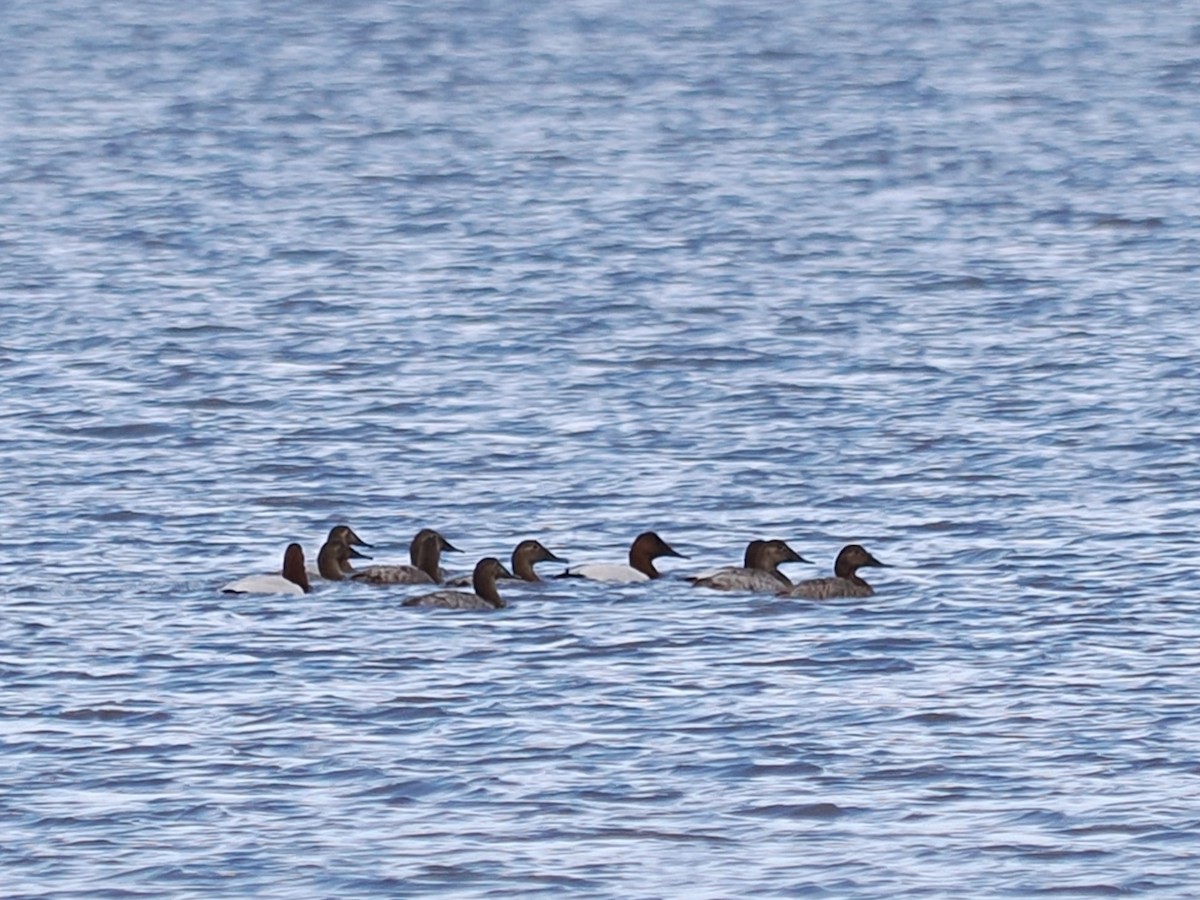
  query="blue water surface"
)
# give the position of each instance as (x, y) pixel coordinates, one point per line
(920, 276)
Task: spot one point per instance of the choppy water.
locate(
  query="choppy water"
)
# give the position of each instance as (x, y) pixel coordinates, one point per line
(917, 277)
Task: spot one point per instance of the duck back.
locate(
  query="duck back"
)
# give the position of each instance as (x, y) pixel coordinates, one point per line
(827, 588)
(741, 579)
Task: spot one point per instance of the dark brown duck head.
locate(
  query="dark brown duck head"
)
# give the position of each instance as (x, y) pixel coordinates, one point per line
(767, 555)
(293, 567)
(346, 534)
(427, 536)
(483, 580)
(851, 558)
(646, 548)
(526, 554)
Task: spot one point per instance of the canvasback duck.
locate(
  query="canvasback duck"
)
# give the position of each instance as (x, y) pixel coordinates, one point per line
(333, 559)
(486, 596)
(646, 548)
(425, 552)
(293, 579)
(845, 581)
(524, 557)
(759, 572)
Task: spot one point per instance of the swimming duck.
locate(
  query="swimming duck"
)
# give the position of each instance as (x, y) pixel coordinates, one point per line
(646, 548)
(293, 579)
(845, 582)
(759, 572)
(425, 551)
(524, 556)
(333, 559)
(486, 596)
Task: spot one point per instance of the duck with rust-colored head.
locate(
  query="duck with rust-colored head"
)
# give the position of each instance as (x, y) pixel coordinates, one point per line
(846, 582)
(646, 548)
(292, 579)
(759, 571)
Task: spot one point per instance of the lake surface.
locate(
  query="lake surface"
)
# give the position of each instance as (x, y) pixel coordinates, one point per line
(916, 277)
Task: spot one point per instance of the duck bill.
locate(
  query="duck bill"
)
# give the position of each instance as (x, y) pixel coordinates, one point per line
(354, 539)
(354, 554)
(448, 547)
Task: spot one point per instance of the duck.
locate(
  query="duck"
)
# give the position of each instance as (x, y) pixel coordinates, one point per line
(759, 572)
(646, 548)
(487, 570)
(425, 552)
(845, 582)
(292, 579)
(333, 559)
(524, 556)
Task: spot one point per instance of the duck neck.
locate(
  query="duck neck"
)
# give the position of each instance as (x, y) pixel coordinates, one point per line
(643, 562)
(429, 560)
(773, 571)
(845, 569)
(293, 571)
(523, 568)
(485, 587)
(329, 563)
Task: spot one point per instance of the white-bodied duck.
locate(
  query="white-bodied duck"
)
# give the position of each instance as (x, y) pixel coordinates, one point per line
(646, 548)
(292, 579)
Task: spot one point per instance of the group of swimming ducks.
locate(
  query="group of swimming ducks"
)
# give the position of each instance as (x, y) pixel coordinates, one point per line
(759, 570)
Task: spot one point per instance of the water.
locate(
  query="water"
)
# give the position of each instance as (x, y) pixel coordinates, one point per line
(916, 277)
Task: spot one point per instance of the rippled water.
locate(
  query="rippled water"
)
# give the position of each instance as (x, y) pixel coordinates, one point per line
(916, 277)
